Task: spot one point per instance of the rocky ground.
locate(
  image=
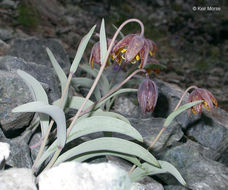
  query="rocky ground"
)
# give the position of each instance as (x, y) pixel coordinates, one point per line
(192, 45)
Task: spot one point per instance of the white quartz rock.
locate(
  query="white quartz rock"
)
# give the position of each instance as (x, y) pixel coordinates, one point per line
(4, 151)
(17, 179)
(83, 176)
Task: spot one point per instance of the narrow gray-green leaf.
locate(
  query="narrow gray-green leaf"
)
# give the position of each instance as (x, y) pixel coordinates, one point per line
(149, 169)
(130, 158)
(81, 49)
(39, 94)
(110, 144)
(60, 73)
(111, 114)
(95, 124)
(121, 33)
(54, 111)
(101, 123)
(171, 116)
(86, 82)
(103, 42)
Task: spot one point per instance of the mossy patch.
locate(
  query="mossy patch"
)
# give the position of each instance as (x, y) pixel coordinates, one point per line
(28, 17)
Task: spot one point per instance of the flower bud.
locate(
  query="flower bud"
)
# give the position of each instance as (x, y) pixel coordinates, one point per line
(147, 95)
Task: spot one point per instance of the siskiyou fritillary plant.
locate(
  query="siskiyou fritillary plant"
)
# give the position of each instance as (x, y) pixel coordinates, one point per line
(95, 116)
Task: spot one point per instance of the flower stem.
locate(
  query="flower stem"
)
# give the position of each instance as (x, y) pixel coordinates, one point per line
(163, 128)
(177, 106)
(95, 82)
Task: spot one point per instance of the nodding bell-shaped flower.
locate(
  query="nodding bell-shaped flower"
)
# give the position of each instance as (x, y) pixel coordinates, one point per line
(133, 48)
(95, 54)
(202, 94)
(147, 95)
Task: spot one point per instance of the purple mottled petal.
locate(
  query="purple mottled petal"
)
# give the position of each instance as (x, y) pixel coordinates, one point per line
(144, 54)
(135, 45)
(152, 46)
(147, 95)
(212, 98)
(205, 96)
(123, 43)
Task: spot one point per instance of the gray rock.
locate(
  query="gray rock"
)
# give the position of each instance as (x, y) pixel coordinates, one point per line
(169, 96)
(13, 92)
(209, 133)
(199, 172)
(3, 47)
(33, 50)
(174, 187)
(8, 4)
(147, 183)
(6, 34)
(20, 154)
(17, 179)
(42, 73)
(149, 128)
(73, 175)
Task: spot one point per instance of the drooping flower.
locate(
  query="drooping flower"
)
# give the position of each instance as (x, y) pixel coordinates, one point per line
(95, 54)
(202, 94)
(147, 95)
(133, 48)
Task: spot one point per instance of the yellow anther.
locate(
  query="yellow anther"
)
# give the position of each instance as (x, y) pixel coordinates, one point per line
(123, 50)
(152, 54)
(206, 105)
(137, 57)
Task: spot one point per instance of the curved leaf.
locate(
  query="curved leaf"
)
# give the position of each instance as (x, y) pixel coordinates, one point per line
(60, 73)
(81, 49)
(95, 124)
(130, 158)
(54, 111)
(39, 94)
(111, 114)
(110, 144)
(101, 123)
(171, 116)
(149, 169)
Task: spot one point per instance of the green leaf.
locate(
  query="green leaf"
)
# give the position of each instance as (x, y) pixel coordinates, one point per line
(86, 156)
(95, 124)
(110, 144)
(171, 116)
(103, 42)
(75, 102)
(60, 73)
(148, 169)
(121, 33)
(101, 123)
(111, 114)
(86, 82)
(54, 111)
(103, 51)
(81, 49)
(39, 94)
